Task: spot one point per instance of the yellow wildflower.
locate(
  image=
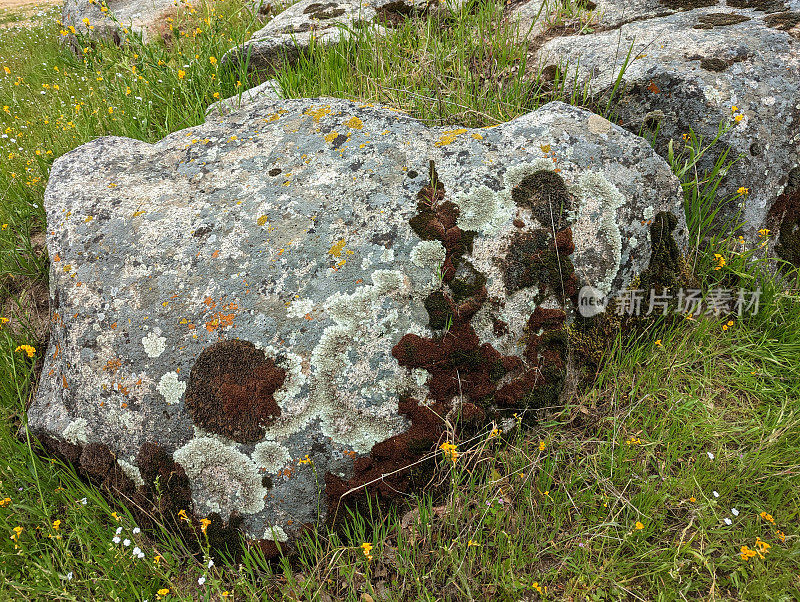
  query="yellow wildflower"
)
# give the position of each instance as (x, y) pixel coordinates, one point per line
(204, 522)
(738, 118)
(56, 525)
(743, 190)
(212, 60)
(471, 543)
(767, 517)
(27, 349)
(746, 553)
(182, 514)
(763, 233)
(450, 451)
(367, 548)
(639, 526)
(181, 73)
(542, 445)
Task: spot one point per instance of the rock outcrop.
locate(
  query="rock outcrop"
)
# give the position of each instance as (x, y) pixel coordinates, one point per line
(696, 64)
(268, 311)
(137, 16)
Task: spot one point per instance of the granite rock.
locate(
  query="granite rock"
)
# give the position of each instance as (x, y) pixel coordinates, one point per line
(688, 69)
(138, 16)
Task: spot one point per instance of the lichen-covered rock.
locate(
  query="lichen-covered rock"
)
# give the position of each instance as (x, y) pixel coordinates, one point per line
(269, 90)
(695, 69)
(323, 22)
(268, 311)
(137, 16)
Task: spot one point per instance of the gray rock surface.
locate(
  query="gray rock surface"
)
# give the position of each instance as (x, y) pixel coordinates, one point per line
(269, 90)
(308, 236)
(138, 16)
(325, 22)
(689, 69)
(290, 32)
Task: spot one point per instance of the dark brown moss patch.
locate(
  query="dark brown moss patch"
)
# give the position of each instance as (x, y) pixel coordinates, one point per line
(783, 21)
(713, 64)
(390, 468)
(687, 4)
(545, 193)
(165, 498)
(767, 6)
(323, 11)
(165, 482)
(712, 20)
(230, 390)
(785, 213)
(436, 220)
(393, 14)
(539, 259)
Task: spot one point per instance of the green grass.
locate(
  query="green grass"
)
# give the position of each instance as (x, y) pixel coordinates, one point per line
(555, 505)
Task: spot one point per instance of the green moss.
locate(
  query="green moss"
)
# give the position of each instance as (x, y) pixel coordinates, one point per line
(467, 281)
(665, 259)
(783, 21)
(438, 308)
(687, 4)
(768, 6)
(712, 20)
(497, 372)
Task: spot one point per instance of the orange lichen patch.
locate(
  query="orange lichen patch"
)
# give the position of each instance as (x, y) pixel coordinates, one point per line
(56, 257)
(219, 320)
(262, 220)
(477, 136)
(449, 137)
(331, 136)
(210, 302)
(230, 390)
(354, 123)
(336, 248)
(276, 116)
(653, 87)
(113, 365)
(64, 382)
(138, 213)
(215, 254)
(318, 113)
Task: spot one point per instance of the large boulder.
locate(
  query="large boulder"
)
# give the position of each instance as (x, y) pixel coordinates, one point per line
(321, 22)
(270, 310)
(736, 63)
(137, 16)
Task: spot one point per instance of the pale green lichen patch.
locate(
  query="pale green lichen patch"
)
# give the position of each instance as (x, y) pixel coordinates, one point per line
(271, 456)
(154, 344)
(428, 254)
(171, 387)
(76, 431)
(598, 201)
(131, 471)
(222, 478)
